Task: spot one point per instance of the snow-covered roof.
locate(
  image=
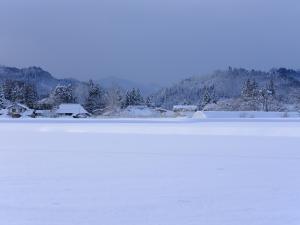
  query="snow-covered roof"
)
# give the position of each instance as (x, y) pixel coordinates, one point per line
(28, 112)
(18, 104)
(71, 108)
(185, 107)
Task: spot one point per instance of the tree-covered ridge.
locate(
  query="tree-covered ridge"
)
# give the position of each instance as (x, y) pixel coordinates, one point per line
(225, 90)
(231, 89)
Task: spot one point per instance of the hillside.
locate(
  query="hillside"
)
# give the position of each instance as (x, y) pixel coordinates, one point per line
(43, 80)
(228, 85)
(220, 90)
(111, 82)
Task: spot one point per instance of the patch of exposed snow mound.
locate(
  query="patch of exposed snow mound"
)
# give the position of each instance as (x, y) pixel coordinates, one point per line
(199, 115)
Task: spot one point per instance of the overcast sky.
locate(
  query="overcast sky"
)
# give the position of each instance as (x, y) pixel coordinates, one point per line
(148, 40)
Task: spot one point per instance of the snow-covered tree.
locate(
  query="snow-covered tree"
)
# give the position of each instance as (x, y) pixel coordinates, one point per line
(30, 95)
(149, 101)
(267, 96)
(250, 90)
(251, 95)
(63, 94)
(133, 97)
(3, 101)
(271, 87)
(14, 90)
(114, 97)
(95, 99)
(209, 95)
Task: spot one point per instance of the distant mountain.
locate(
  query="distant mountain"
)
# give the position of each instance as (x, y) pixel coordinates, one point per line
(228, 84)
(220, 85)
(146, 89)
(42, 79)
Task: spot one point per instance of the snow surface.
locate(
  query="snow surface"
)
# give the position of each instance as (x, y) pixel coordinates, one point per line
(245, 114)
(149, 172)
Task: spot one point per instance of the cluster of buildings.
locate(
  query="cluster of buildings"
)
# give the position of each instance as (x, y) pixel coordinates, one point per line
(17, 110)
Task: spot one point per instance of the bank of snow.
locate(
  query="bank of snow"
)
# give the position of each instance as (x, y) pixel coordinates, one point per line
(244, 114)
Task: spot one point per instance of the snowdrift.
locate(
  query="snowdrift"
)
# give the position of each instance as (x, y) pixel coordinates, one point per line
(243, 114)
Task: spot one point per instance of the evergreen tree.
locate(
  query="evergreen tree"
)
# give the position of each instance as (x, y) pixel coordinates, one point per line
(138, 98)
(133, 97)
(209, 95)
(247, 89)
(63, 94)
(271, 87)
(128, 99)
(30, 95)
(206, 97)
(250, 89)
(149, 102)
(2, 98)
(95, 99)
(251, 94)
(267, 96)
(14, 90)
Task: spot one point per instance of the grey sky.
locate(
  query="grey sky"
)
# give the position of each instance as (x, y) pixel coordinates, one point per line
(148, 40)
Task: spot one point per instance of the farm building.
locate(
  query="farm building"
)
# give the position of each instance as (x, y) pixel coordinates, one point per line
(17, 110)
(75, 110)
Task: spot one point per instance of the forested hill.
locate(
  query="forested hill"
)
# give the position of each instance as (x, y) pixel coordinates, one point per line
(227, 85)
(232, 89)
(43, 80)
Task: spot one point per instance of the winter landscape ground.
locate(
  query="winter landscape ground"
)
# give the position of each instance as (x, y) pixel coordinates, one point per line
(150, 172)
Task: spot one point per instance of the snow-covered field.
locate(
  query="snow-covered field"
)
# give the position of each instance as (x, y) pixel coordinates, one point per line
(150, 172)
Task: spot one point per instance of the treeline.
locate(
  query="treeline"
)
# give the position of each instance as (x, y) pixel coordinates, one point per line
(232, 89)
(18, 91)
(252, 98)
(236, 90)
(96, 97)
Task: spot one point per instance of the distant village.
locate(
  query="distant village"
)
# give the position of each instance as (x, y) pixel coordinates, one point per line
(33, 92)
(19, 99)
(75, 110)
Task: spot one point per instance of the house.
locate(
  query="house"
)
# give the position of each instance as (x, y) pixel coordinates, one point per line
(74, 110)
(185, 108)
(17, 109)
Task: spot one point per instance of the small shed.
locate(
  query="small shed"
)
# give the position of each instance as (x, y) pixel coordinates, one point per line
(75, 110)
